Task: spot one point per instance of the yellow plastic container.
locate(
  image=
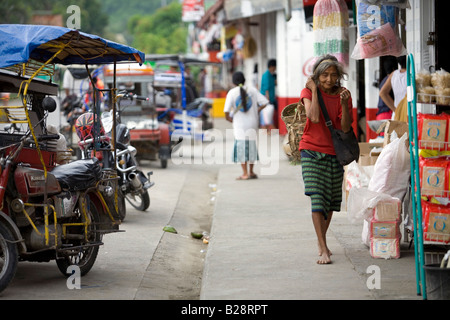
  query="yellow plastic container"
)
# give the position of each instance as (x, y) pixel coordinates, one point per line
(217, 107)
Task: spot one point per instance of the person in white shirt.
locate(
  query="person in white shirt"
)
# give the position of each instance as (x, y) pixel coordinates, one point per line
(396, 82)
(242, 107)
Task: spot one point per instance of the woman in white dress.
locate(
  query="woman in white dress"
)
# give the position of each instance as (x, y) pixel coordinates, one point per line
(242, 107)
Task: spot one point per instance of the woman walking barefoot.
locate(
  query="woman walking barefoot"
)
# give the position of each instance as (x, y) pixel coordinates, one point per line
(322, 173)
(242, 107)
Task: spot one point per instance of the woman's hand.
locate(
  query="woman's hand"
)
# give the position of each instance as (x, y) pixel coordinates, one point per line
(345, 95)
(346, 119)
(310, 84)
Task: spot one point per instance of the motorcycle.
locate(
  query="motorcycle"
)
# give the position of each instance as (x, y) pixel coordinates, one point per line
(133, 184)
(59, 214)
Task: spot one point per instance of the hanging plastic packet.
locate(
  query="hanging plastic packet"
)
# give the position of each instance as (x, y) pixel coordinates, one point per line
(402, 4)
(330, 29)
(377, 32)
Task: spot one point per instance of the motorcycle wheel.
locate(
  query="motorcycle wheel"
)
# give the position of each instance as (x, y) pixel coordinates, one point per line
(139, 201)
(85, 257)
(8, 257)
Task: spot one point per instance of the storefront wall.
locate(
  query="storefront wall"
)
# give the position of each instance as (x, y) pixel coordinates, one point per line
(294, 59)
(291, 44)
(420, 21)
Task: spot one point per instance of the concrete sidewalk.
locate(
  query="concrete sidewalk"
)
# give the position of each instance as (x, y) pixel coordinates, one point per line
(263, 246)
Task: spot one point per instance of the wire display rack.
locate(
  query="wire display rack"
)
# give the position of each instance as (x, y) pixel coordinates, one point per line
(422, 237)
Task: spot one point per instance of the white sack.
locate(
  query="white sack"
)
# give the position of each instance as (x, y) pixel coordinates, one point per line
(392, 170)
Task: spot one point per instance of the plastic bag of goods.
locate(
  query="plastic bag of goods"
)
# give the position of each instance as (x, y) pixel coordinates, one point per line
(377, 32)
(392, 169)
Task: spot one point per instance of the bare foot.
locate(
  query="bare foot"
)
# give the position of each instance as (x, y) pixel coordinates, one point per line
(324, 259)
(327, 250)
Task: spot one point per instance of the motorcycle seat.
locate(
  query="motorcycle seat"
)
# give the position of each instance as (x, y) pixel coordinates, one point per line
(78, 175)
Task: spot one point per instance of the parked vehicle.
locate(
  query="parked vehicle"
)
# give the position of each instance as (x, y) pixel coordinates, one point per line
(149, 136)
(133, 184)
(50, 211)
(187, 113)
(56, 214)
(132, 181)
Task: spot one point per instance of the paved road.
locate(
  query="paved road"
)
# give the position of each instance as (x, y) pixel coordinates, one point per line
(130, 265)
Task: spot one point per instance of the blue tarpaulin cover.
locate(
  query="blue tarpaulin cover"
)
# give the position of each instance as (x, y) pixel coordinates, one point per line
(19, 43)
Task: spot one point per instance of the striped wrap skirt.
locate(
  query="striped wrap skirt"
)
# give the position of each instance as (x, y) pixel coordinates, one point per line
(322, 176)
(245, 151)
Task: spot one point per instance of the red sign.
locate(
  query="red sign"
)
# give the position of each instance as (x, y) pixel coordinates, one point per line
(307, 3)
(193, 10)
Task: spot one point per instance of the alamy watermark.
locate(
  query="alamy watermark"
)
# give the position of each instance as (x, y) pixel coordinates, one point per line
(374, 280)
(215, 146)
(74, 280)
(74, 20)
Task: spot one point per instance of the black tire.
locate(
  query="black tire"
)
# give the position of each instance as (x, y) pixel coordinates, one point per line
(139, 201)
(8, 257)
(84, 257)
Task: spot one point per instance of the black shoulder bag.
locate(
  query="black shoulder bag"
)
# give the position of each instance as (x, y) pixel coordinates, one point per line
(345, 143)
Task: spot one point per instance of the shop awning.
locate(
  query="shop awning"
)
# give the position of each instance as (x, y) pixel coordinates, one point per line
(237, 9)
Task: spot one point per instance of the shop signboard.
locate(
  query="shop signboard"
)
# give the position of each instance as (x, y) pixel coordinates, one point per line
(193, 10)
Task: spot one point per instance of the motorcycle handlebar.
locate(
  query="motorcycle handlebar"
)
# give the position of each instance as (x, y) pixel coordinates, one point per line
(132, 96)
(89, 141)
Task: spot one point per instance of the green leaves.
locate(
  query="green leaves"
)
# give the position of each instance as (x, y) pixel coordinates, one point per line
(161, 32)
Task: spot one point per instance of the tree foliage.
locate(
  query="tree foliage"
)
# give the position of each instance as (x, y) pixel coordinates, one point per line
(93, 20)
(161, 32)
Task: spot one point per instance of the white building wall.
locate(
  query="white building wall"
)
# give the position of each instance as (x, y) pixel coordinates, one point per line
(294, 52)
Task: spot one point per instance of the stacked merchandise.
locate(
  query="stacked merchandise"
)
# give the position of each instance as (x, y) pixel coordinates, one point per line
(383, 197)
(434, 168)
(433, 87)
(385, 229)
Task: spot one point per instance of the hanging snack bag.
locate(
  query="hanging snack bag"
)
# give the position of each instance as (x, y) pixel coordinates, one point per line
(434, 177)
(436, 222)
(432, 131)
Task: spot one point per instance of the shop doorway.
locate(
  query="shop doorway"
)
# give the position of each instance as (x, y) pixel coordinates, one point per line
(440, 40)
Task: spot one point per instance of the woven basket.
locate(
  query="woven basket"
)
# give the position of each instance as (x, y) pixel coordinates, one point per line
(294, 116)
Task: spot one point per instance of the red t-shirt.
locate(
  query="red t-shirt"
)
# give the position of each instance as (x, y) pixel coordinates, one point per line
(317, 136)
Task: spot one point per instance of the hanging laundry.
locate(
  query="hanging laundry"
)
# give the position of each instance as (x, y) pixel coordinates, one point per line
(330, 29)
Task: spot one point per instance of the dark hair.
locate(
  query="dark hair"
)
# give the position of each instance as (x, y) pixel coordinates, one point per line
(272, 63)
(239, 80)
(402, 61)
(390, 64)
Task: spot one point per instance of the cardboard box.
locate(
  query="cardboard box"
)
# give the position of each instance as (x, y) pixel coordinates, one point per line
(400, 128)
(385, 229)
(385, 248)
(368, 153)
(388, 210)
